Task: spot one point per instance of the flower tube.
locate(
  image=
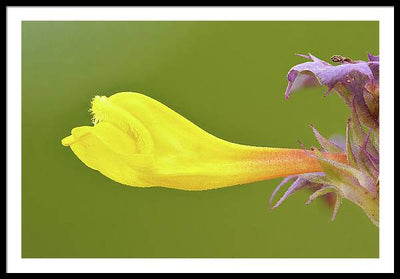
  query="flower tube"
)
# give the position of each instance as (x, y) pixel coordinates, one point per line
(137, 141)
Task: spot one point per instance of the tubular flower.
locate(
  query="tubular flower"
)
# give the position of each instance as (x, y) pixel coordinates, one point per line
(137, 141)
(357, 82)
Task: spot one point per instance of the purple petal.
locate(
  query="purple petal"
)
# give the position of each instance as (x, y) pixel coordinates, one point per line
(373, 57)
(315, 59)
(374, 66)
(304, 81)
(331, 75)
(284, 181)
(303, 55)
(291, 78)
(295, 186)
(352, 75)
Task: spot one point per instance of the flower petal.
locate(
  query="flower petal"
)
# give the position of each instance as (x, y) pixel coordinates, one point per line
(356, 81)
(121, 162)
(373, 57)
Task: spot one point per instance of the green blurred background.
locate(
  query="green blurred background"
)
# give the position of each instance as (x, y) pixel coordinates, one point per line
(228, 78)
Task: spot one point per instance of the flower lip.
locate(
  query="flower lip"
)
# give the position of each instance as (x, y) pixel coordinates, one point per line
(350, 79)
(76, 134)
(107, 114)
(324, 73)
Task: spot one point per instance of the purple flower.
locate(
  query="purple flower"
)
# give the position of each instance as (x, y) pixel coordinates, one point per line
(355, 81)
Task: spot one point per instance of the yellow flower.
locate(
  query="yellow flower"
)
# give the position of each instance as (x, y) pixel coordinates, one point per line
(137, 141)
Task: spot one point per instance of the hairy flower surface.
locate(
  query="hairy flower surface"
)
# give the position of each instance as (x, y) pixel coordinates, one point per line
(357, 82)
(137, 141)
